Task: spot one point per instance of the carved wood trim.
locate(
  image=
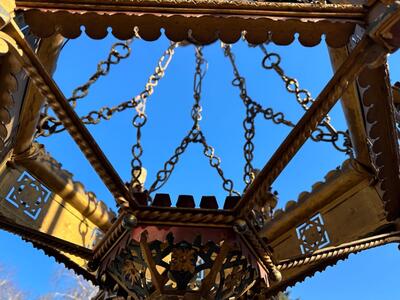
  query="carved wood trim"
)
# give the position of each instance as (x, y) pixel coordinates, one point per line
(336, 183)
(48, 52)
(9, 70)
(201, 20)
(49, 171)
(66, 261)
(44, 239)
(49, 89)
(377, 101)
(352, 110)
(321, 259)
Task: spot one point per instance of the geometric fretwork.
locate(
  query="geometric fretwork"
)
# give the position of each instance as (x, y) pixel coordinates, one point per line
(183, 268)
(28, 195)
(312, 235)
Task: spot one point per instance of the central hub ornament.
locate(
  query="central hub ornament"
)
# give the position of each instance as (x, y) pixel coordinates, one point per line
(200, 268)
(159, 262)
(183, 252)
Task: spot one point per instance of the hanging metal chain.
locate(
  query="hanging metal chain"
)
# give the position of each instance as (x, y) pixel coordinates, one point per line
(325, 132)
(140, 119)
(49, 125)
(103, 68)
(252, 110)
(137, 150)
(195, 135)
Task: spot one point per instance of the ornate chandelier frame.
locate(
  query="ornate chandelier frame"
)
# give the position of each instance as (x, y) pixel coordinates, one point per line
(359, 38)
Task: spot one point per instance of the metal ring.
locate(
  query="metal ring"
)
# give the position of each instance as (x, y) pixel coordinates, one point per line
(272, 64)
(139, 120)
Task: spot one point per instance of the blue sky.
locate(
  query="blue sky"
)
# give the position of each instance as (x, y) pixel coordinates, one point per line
(369, 275)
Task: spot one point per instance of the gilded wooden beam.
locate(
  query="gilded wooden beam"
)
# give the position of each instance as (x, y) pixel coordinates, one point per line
(337, 183)
(384, 18)
(343, 208)
(65, 260)
(209, 280)
(369, 110)
(352, 110)
(49, 172)
(7, 8)
(321, 259)
(379, 114)
(341, 250)
(157, 280)
(47, 53)
(44, 239)
(11, 88)
(201, 20)
(48, 88)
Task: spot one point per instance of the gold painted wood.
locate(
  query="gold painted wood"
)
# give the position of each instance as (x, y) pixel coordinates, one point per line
(379, 115)
(40, 164)
(6, 13)
(43, 81)
(350, 208)
(208, 20)
(47, 53)
(333, 204)
(341, 250)
(48, 221)
(385, 24)
(209, 280)
(157, 280)
(337, 182)
(352, 110)
(55, 217)
(11, 97)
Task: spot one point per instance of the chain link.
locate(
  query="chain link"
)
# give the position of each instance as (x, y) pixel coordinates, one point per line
(252, 110)
(140, 119)
(195, 135)
(325, 132)
(103, 68)
(49, 125)
(303, 97)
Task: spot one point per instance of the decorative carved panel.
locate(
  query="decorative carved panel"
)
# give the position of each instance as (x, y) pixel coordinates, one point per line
(344, 208)
(28, 202)
(28, 195)
(312, 235)
(23, 198)
(12, 92)
(171, 267)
